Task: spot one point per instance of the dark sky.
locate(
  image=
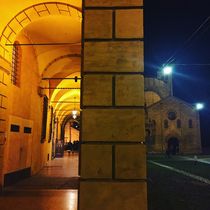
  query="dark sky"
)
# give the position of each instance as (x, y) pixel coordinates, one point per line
(172, 30)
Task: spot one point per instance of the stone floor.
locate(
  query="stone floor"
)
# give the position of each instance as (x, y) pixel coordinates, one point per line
(54, 188)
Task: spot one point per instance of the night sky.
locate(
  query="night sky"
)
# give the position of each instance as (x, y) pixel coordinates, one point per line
(180, 30)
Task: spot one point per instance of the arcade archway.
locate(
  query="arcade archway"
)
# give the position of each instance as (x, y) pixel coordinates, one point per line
(48, 34)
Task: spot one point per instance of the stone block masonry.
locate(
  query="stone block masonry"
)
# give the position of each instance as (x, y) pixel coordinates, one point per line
(113, 154)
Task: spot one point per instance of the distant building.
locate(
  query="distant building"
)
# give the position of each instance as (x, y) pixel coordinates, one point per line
(171, 123)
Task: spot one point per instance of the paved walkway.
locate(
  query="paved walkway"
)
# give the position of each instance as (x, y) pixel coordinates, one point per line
(62, 167)
(199, 178)
(196, 158)
(60, 173)
(54, 188)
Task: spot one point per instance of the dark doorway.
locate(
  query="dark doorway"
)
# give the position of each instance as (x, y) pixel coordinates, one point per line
(173, 145)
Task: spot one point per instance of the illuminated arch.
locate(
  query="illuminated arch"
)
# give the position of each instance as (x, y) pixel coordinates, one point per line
(65, 120)
(60, 58)
(49, 71)
(30, 14)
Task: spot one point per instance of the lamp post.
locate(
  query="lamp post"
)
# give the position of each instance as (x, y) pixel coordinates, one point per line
(167, 71)
(198, 107)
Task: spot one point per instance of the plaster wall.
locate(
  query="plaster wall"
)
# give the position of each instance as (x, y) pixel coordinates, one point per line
(4, 81)
(24, 150)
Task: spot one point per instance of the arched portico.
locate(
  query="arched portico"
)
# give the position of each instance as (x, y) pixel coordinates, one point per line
(50, 55)
(67, 120)
(112, 94)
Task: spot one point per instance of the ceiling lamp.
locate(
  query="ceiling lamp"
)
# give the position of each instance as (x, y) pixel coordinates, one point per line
(74, 111)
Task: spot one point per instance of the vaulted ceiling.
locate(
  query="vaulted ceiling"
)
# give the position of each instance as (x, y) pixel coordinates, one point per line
(54, 31)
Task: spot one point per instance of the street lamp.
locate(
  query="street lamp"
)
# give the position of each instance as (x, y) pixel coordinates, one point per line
(167, 71)
(199, 106)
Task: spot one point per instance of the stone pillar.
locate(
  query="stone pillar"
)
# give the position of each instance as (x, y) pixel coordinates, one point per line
(112, 160)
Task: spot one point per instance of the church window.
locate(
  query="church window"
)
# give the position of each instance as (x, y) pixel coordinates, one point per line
(178, 123)
(16, 64)
(171, 115)
(165, 123)
(190, 123)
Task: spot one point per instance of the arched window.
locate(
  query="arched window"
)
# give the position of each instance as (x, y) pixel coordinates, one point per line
(190, 123)
(165, 123)
(16, 62)
(178, 123)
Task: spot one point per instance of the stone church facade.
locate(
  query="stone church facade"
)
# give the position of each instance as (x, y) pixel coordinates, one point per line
(171, 123)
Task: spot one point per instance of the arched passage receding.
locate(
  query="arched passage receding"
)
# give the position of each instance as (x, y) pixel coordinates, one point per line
(40, 29)
(65, 121)
(60, 147)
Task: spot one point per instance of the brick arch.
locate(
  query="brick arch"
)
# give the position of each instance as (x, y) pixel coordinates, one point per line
(30, 14)
(60, 58)
(171, 135)
(173, 145)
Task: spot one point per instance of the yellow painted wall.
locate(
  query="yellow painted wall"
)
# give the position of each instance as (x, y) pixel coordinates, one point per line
(4, 80)
(23, 105)
(25, 109)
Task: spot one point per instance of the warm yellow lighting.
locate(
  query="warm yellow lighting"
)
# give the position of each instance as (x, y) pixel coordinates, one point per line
(74, 112)
(13, 11)
(72, 199)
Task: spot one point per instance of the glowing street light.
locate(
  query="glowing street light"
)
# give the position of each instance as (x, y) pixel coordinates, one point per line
(199, 106)
(167, 70)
